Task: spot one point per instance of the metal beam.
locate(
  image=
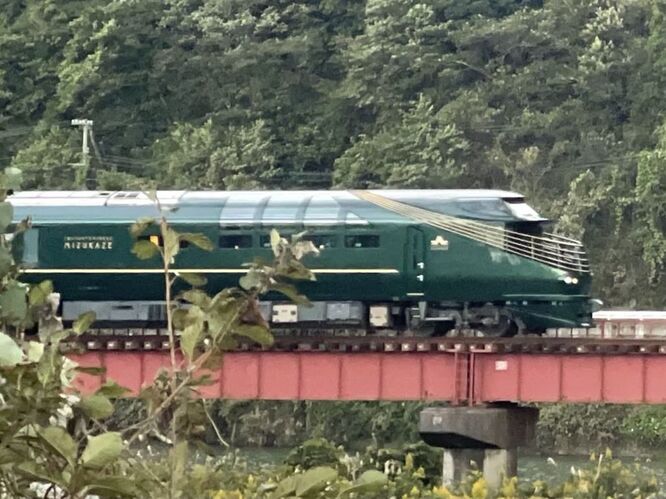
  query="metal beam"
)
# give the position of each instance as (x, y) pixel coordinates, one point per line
(427, 376)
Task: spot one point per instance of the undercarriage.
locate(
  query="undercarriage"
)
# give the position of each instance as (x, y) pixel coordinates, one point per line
(337, 318)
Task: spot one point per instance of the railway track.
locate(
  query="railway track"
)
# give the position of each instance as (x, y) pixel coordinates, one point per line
(155, 340)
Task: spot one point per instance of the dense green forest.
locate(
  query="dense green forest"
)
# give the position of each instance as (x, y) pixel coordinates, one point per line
(560, 100)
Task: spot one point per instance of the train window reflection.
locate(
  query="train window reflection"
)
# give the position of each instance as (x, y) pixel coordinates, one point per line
(235, 241)
(362, 241)
(321, 241)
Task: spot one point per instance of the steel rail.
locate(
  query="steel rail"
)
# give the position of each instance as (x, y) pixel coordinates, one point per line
(388, 344)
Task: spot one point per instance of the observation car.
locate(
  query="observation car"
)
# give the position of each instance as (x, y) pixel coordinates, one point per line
(391, 261)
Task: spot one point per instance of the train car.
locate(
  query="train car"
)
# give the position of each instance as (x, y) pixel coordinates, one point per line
(391, 261)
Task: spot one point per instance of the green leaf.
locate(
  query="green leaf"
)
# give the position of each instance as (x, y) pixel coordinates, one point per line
(189, 339)
(96, 406)
(6, 214)
(39, 293)
(224, 297)
(60, 441)
(286, 488)
(14, 303)
(252, 280)
(38, 473)
(223, 314)
(83, 323)
(255, 332)
(315, 480)
(227, 343)
(369, 481)
(145, 250)
(7, 456)
(296, 270)
(298, 236)
(196, 297)
(198, 240)
(192, 279)
(302, 248)
(10, 353)
(6, 261)
(35, 350)
(180, 319)
(290, 292)
(171, 244)
(112, 486)
(112, 390)
(102, 450)
(152, 195)
(140, 226)
(51, 330)
(275, 242)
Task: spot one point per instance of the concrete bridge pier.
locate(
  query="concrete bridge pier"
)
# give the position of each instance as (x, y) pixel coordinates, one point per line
(489, 436)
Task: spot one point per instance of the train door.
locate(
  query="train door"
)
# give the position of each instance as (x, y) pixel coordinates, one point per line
(416, 262)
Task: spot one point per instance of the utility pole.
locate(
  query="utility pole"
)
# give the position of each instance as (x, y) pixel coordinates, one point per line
(85, 176)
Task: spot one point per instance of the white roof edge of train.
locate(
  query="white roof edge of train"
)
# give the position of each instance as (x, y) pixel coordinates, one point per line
(59, 194)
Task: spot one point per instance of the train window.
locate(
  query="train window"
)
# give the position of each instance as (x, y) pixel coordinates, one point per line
(321, 241)
(520, 209)
(362, 241)
(235, 241)
(492, 208)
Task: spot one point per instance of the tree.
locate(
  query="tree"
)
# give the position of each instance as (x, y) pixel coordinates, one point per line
(420, 151)
(50, 159)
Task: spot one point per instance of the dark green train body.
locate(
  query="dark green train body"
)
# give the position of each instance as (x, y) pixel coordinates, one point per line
(390, 267)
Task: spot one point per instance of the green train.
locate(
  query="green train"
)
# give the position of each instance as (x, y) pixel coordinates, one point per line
(391, 261)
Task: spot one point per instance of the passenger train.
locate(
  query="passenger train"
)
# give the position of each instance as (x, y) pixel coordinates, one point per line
(391, 261)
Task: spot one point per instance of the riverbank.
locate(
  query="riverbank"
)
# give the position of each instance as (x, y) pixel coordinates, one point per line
(531, 467)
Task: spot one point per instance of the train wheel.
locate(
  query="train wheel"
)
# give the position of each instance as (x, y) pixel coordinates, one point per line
(506, 328)
(443, 328)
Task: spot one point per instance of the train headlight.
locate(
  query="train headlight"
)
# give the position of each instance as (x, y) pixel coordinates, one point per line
(569, 279)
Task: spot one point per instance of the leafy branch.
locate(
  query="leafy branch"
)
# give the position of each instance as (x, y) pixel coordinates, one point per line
(208, 325)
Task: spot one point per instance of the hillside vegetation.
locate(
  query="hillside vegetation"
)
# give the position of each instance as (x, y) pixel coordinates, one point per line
(560, 100)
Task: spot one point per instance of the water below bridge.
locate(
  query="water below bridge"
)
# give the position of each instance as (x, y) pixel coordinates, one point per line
(530, 467)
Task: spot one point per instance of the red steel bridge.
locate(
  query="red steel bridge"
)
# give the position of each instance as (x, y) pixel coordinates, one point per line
(605, 364)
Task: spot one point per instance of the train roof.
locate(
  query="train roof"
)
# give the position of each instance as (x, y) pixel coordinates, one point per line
(264, 207)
